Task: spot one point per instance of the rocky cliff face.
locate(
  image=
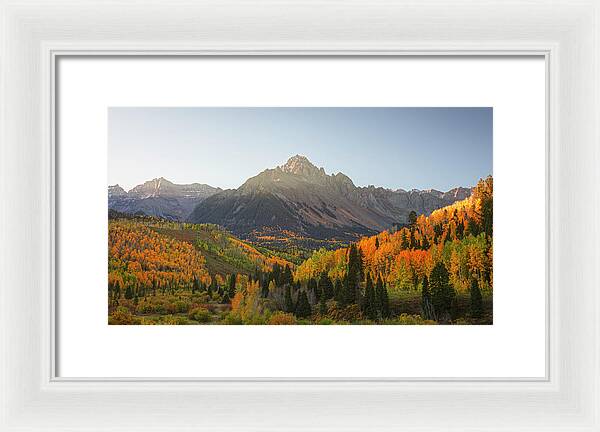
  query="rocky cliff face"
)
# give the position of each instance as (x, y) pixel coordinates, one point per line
(303, 199)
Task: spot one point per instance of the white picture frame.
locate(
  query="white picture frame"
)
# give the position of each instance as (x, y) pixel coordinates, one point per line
(34, 34)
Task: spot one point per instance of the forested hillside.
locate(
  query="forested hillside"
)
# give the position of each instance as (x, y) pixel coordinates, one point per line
(433, 269)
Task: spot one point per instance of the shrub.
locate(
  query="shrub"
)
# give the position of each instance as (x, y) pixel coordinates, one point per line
(144, 308)
(181, 306)
(173, 320)
(148, 321)
(122, 316)
(351, 313)
(405, 319)
(169, 308)
(200, 314)
(232, 319)
(282, 318)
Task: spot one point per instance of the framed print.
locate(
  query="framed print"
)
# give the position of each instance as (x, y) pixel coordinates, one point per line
(282, 241)
(223, 222)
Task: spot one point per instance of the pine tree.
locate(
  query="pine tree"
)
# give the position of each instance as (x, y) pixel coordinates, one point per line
(323, 306)
(303, 309)
(232, 281)
(361, 265)
(442, 293)
(312, 287)
(412, 218)
(379, 296)
(460, 230)
(338, 291)
(404, 241)
(287, 277)
(352, 277)
(257, 274)
(476, 302)
(128, 292)
(385, 302)
(264, 292)
(289, 303)
(325, 286)
(369, 308)
(226, 298)
(438, 230)
(484, 191)
(276, 274)
(426, 306)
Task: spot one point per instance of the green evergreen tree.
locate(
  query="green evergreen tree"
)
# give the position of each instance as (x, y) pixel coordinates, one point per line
(303, 309)
(117, 290)
(476, 301)
(128, 292)
(361, 266)
(379, 297)
(438, 230)
(232, 282)
(325, 286)
(369, 307)
(442, 293)
(288, 302)
(413, 241)
(323, 306)
(484, 190)
(376, 243)
(404, 240)
(385, 302)
(412, 218)
(352, 276)
(287, 277)
(264, 292)
(460, 230)
(427, 311)
(226, 298)
(276, 274)
(313, 287)
(338, 291)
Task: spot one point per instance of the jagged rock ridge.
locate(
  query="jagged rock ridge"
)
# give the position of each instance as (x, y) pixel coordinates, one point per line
(305, 200)
(159, 197)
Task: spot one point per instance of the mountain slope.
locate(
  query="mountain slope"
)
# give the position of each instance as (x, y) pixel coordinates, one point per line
(159, 197)
(300, 198)
(222, 253)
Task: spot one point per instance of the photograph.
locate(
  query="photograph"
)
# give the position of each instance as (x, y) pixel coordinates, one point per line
(300, 216)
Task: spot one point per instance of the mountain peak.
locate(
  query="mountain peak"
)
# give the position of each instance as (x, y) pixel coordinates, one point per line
(300, 165)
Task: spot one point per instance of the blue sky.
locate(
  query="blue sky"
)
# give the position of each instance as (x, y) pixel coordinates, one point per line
(407, 148)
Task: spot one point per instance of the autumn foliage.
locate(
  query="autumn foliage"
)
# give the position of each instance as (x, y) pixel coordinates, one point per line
(145, 261)
(459, 236)
(432, 269)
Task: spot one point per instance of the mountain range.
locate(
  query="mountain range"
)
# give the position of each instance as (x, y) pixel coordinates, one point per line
(159, 197)
(297, 197)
